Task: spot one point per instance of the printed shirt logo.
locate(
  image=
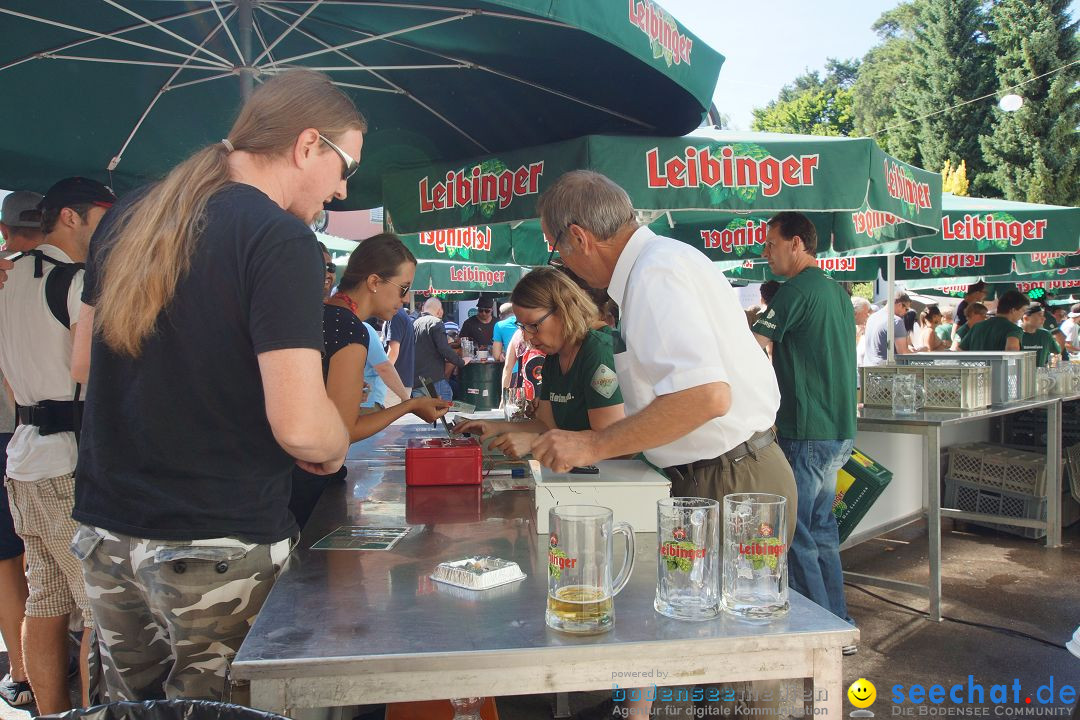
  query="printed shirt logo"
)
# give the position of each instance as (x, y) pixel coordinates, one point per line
(459, 189)
(605, 381)
(663, 33)
(972, 227)
(771, 315)
(696, 167)
(904, 188)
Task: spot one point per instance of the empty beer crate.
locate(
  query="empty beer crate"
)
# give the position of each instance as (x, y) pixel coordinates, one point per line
(971, 497)
(947, 388)
(1012, 374)
(998, 468)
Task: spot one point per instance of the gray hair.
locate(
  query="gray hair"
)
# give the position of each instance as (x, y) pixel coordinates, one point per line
(588, 199)
(432, 304)
(505, 308)
(860, 303)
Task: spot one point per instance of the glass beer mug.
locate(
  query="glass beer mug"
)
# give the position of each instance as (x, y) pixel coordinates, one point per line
(755, 555)
(688, 561)
(580, 586)
(907, 395)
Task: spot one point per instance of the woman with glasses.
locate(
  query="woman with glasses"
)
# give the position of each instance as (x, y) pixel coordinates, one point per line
(580, 390)
(375, 281)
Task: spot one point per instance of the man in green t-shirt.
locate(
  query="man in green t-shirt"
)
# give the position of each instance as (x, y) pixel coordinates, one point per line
(1000, 332)
(809, 330)
(1037, 337)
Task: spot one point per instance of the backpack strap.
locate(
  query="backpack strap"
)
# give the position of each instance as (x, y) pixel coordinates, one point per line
(57, 284)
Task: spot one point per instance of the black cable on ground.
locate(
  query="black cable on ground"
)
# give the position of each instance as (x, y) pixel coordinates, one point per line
(971, 623)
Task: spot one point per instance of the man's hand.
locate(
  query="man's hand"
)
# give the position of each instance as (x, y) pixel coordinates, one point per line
(326, 468)
(428, 409)
(5, 265)
(561, 450)
(515, 445)
(483, 428)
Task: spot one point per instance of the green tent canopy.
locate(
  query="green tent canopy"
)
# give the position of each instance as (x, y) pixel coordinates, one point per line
(713, 189)
(123, 90)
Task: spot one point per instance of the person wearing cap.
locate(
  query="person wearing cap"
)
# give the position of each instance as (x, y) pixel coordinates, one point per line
(207, 387)
(481, 328)
(999, 333)
(976, 293)
(20, 225)
(815, 425)
(20, 221)
(1036, 337)
(35, 356)
(1071, 329)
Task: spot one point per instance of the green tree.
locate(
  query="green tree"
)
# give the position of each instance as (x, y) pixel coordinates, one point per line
(883, 102)
(953, 64)
(813, 104)
(1033, 153)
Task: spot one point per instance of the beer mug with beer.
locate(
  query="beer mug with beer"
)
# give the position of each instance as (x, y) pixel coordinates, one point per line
(580, 586)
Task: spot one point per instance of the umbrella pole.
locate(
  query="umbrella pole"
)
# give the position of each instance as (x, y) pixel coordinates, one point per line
(890, 274)
(245, 18)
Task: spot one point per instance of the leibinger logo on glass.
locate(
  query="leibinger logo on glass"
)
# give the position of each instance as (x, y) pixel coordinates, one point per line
(967, 699)
(557, 558)
(764, 549)
(679, 553)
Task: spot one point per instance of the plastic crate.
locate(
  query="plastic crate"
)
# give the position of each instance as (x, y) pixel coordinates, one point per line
(858, 484)
(998, 468)
(1072, 460)
(947, 388)
(969, 497)
(1012, 374)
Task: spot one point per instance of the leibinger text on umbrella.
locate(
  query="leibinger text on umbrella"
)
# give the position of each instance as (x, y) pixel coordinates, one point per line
(660, 28)
(973, 227)
(868, 222)
(476, 187)
(729, 238)
(1045, 258)
(906, 189)
(1047, 285)
(697, 166)
(468, 238)
(926, 263)
(474, 274)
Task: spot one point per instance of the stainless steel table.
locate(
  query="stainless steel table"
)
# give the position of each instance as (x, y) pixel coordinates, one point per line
(353, 627)
(929, 424)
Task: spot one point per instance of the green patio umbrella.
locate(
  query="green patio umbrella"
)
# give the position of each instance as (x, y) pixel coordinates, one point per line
(456, 279)
(121, 90)
(713, 189)
(910, 268)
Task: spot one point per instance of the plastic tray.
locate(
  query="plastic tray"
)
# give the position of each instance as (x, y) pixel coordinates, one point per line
(478, 572)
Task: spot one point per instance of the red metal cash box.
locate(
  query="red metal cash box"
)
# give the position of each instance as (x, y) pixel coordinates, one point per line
(443, 461)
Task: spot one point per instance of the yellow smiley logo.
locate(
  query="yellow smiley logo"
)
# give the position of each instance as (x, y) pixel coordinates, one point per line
(862, 693)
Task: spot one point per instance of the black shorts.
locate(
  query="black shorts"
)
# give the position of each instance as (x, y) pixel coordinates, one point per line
(11, 545)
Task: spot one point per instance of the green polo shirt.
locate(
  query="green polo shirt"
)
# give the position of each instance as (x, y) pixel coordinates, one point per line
(812, 326)
(589, 383)
(944, 333)
(1043, 343)
(990, 335)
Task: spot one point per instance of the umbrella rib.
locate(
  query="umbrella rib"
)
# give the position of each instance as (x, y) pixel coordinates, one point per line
(84, 41)
(373, 38)
(189, 83)
(98, 35)
(168, 86)
(262, 38)
(368, 68)
(120, 61)
(236, 46)
(392, 84)
(165, 30)
(370, 88)
(289, 29)
(438, 8)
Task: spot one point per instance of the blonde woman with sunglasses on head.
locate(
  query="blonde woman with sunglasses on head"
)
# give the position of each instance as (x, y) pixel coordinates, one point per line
(580, 390)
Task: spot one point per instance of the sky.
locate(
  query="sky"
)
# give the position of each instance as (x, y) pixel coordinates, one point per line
(768, 43)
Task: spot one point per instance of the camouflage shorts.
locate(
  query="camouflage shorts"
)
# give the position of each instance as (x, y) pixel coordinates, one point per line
(170, 615)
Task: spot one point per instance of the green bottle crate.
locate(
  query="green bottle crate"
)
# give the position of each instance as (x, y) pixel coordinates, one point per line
(858, 485)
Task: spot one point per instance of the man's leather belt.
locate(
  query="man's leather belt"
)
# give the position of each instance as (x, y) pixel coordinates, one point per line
(757, 441)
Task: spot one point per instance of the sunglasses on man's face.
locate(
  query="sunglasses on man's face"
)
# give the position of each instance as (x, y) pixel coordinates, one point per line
(331, 268)
(351, 165)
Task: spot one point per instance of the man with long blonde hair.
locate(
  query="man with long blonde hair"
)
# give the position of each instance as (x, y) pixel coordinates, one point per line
(206, 387)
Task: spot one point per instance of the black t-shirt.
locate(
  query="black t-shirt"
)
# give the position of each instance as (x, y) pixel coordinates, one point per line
(478, 332)
(176, 444)
(341, 327)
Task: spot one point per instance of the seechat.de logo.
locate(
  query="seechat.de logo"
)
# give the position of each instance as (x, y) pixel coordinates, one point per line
(862, 695)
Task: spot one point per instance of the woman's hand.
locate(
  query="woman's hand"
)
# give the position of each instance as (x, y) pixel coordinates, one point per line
(428, 409)
(482, 428)
(515, 445)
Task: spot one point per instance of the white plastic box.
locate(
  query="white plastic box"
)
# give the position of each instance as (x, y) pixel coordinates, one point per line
(629, 487)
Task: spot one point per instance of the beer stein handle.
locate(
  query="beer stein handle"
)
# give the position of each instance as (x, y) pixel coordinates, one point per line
(920, 397)
(624, 529)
